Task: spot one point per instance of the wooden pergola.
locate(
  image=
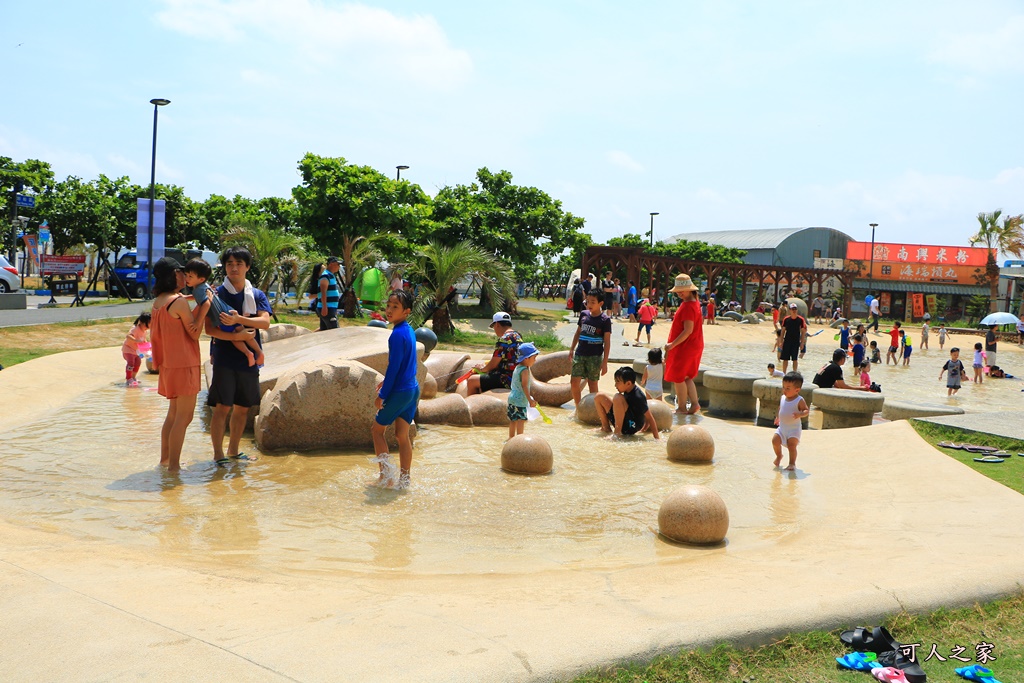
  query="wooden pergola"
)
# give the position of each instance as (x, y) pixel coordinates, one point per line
(661, 271)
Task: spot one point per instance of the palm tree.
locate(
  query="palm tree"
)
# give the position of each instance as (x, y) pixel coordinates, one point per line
(271, 249)
(440, 268)
(1006, 236)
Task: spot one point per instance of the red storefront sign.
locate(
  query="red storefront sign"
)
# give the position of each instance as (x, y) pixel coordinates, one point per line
(918, 262)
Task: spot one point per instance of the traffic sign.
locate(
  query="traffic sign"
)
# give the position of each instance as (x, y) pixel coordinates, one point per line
(44, 234)
(26, 201)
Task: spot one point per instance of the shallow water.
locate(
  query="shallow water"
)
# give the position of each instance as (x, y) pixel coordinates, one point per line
(90, 471)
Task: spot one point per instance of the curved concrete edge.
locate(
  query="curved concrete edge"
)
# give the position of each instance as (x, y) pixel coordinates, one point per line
(905, 410)
(40, 385)
(251, 625)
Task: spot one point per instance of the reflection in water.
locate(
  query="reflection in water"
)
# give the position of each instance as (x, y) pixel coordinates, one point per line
(90, 471)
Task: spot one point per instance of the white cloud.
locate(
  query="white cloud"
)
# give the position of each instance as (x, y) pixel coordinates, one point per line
(121, 165)
(1001, 49)
(351, 38)
(623, 160)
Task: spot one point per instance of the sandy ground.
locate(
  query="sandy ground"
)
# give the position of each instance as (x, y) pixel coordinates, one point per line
(869, 534)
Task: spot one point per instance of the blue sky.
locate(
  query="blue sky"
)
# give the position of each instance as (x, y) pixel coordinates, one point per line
(719, 115)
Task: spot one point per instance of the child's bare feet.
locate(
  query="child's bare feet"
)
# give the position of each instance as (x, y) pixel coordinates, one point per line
(259, 358)
(790, 468)
(250, 358)
(778, 459)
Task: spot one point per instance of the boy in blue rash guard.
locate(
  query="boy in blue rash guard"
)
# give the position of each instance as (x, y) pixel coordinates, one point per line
(397, 395)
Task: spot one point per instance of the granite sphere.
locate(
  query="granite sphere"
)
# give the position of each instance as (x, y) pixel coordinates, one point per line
(693, 514)
(690, 443)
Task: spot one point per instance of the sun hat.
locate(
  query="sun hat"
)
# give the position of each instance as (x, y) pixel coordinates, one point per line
(683, 284)
(500, 317)
(526, 350)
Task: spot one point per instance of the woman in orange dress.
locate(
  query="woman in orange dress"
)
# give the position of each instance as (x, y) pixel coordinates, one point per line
(175, 340)
(685, 346)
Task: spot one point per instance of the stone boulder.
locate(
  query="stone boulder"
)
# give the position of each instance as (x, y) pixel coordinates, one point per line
(551, 365)
(428, 387)
(321, 404)
(694, 514)
(552, 395)
(691, 443)
(488, 409)
(662, 413)
(586, 411)
(527, 454)
(446, 368)
(449, 409)
(284, 331)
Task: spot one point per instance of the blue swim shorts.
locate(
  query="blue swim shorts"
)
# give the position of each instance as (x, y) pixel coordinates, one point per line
(401, 404)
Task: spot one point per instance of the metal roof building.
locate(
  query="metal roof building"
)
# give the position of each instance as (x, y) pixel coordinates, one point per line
(795, 247)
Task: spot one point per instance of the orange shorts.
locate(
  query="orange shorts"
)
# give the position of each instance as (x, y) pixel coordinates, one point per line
(175, 382)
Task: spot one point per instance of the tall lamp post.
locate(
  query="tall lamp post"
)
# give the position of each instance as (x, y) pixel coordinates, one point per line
(398, 171)
(157, 103)
(871, 268)
(653, 214)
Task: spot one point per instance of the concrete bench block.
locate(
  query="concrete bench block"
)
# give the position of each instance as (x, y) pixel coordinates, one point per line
(768, 392)
(904, 410)
(731, 393)
(844, 408)
(13, 302)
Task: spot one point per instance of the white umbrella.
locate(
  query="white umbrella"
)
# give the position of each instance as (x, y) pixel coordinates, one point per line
(1000, 318)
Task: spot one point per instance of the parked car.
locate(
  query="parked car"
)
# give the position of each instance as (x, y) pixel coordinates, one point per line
(10, 281)
(134, 273)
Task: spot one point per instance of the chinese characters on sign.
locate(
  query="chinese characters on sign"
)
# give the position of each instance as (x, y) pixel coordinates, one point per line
(983, 652)
(918, 262)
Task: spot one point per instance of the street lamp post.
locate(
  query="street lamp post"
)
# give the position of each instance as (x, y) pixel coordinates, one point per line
(871, 268)
(398, 171)
(157, 103)
(653, 214)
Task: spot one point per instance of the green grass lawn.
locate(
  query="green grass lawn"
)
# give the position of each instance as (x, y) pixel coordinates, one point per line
(1009, 473)
(810, 657)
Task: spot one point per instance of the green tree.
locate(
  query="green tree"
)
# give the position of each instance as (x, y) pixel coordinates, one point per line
(998, 233)
(78, 212)
(273, 251)
(438, 268)
(30, 176)
(515, 223)
(340, 204)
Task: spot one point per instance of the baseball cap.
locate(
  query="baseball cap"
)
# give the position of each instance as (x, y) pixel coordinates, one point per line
(500, 317)
(526, 350)
(792, 305)
(332, 259)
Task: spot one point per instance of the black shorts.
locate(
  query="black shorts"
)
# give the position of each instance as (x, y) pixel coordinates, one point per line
(234, 388)
(329, 321)
(789, 352)
(631, 426)
(492, 380)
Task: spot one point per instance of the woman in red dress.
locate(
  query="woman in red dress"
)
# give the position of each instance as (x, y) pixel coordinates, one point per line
(685, 346)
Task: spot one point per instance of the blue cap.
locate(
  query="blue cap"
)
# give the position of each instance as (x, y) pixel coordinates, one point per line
(526, 350)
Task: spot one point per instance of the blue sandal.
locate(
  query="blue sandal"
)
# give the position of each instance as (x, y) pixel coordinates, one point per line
(859, 661)
(976, 672)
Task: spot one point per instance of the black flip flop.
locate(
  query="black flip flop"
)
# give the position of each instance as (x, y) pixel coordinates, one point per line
(861, 639)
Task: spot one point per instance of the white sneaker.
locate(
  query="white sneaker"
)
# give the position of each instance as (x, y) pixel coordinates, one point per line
(388, 471)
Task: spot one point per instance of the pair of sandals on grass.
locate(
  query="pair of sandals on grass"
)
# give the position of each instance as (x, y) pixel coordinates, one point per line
(988, 453)
(883, 656)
